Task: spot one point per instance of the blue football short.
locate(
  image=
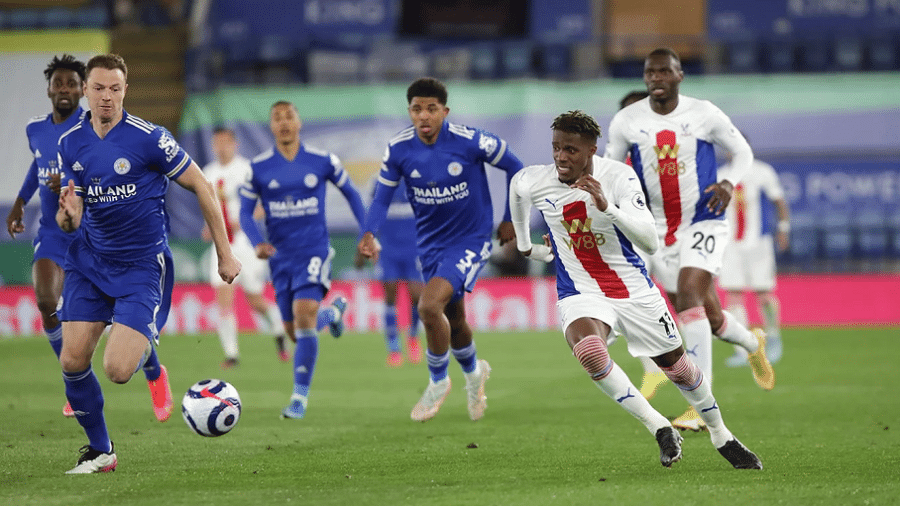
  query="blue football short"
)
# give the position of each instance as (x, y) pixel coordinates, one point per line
(398, 265)
(459, 265)
(137, 294)
(300, 277)
(52, 243)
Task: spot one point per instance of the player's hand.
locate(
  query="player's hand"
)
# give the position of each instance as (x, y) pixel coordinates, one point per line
(14, 223)
(54, 182)
(592, 186)
(70, 206)
(781, 238)
(506, 232)
(369, 247)
(265, 250)
(229, 267)
(721, 196)
(359, 260)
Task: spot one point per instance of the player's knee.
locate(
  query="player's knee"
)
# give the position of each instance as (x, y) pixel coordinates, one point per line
(430, 310)
(684, 373)
(70, 362)
(591, 351)
(117, 372)
(46, 305)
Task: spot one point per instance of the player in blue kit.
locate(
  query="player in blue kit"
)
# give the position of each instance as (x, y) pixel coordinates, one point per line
(290, 180)
(443, 166)
(65, 77)
(119, 267)
(399, 262)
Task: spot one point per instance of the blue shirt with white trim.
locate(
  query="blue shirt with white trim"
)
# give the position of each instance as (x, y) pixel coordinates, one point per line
(123, 179)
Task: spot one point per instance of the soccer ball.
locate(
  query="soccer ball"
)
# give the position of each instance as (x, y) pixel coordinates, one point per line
(211, 407)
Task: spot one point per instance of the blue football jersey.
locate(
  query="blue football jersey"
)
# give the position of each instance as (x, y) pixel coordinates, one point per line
(293, 196)
(398, 234)
(43, 141)
(446, 182)
(123, 180)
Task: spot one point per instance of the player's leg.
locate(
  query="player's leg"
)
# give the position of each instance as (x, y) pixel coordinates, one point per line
(463, 348)
(304, 313)
(253, 278)
(435, 296)
(269, 314)
(697, 390)
(736, 306)
(48, 278)
(226, 326)
(586, 336)
(727, 328)
(771, 313)
(413, 349)
(391, 334)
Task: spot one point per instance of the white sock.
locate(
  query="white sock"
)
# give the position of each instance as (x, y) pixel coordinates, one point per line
(697, 339)
(733, 332)
(701, 398)
(740, 312)
(649, 365)
(227, 330)
(274, 317)
(620, 389)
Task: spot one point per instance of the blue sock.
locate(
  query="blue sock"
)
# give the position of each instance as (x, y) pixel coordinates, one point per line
(305, 355)
(55, 338)
(390, 329)
(151, 366)
(414, 322)
(466, 357)
(86, 398)
(437, 365)
(325, 317)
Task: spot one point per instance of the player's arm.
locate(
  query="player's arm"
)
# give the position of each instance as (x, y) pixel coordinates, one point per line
(510, 163)
(384, 192)
(520, 215)
(725, 134)
(14, 223)
(775, 192)
(193, 180)
(616, 144)
(341, 179)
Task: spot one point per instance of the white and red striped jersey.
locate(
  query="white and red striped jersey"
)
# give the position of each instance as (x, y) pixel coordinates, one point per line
(227, 180)
(674, 157)
(593, 253)
(745, 210)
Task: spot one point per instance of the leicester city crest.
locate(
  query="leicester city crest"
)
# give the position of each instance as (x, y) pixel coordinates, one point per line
(122, 166)
(455, 168)
(310, 180)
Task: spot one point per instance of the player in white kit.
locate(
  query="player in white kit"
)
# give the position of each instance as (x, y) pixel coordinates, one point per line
(227, 173)
(670, 139)
(749, 261)
(596, 213)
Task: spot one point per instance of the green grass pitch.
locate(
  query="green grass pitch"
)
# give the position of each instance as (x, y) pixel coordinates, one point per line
(829, 434)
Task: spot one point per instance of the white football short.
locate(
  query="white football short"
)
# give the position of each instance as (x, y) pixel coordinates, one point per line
(700, 245)
(254, 271)
(645, 321)
(749, 266)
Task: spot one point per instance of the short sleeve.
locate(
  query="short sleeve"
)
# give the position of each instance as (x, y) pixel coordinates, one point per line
(167, 154)
(389, 174)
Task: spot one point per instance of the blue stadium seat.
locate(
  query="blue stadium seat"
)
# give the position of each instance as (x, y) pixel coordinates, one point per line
(815, 55)
(59, 17)
(24, 19)
(883, 52)
(778, 55)
(3, 17)
(275, 49)
(837, 234)
(743, 56)
(92, 17)
(628, 68)
(804, 238)
(485, 63)
(848, 53)
(516, 59)
(554, 61)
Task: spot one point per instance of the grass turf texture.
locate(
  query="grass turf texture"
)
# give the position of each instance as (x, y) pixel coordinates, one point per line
(827, 434)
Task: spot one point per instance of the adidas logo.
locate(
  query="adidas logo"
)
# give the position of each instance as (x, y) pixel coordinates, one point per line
(77, 167)
(302, 369)
(274, 184)
(415, 173)
(37, 153)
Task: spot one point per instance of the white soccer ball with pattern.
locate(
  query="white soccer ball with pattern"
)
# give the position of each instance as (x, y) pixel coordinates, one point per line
(211, 407)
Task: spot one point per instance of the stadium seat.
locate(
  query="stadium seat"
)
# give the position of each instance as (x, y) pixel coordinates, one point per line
(872, 232)
(334, 67)
(3, 17)
(485, 63)
(516, 59)
(815, 55)
(837, 234)
(627, 68)
(92, 17)
(883, 52)
(804, 238)
(778, 55)
(24, 19)
(743, 56)
(554, 61)
(59, 17)
(848, 53)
